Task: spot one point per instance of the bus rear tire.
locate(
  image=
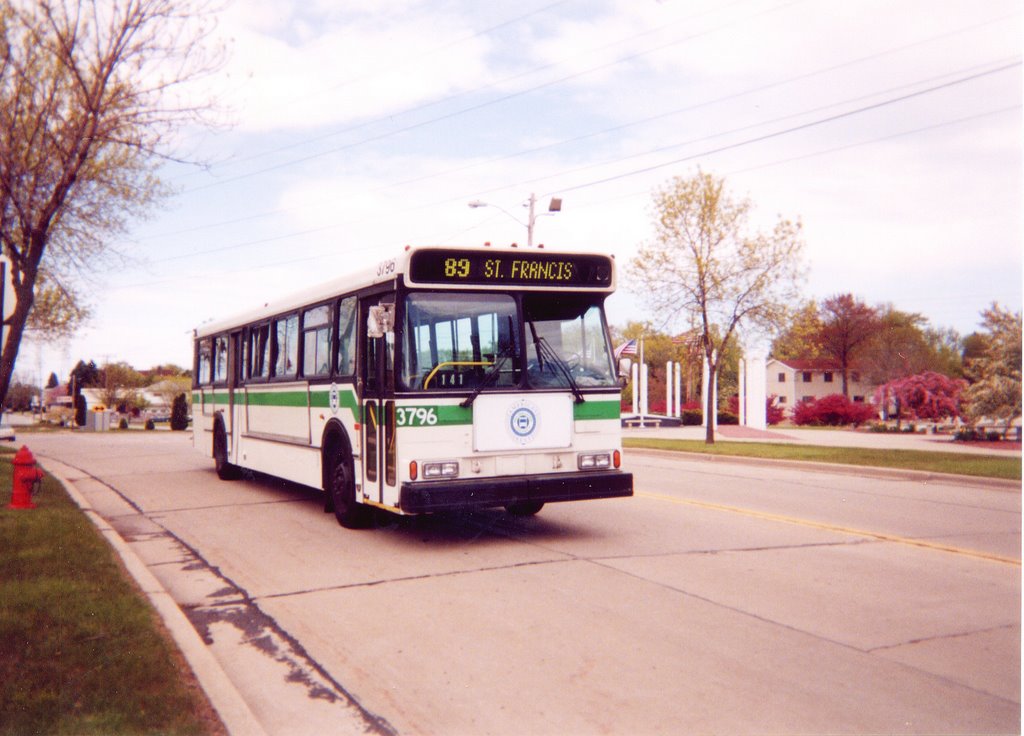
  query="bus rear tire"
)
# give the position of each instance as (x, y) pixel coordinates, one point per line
(225, 470)
(349, 513)
(524, 508)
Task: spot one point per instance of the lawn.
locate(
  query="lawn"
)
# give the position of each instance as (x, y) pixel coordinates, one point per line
(81, 650)
(985, 466)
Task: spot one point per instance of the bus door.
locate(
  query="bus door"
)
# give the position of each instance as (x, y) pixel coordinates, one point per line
(378, 402)
(234, 371)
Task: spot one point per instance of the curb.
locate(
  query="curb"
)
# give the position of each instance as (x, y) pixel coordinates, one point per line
(234, 712)
(865, 471)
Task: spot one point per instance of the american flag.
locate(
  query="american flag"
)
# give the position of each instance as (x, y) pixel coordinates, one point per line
(626, 348)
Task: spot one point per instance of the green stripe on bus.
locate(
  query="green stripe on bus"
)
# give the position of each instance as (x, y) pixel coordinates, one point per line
(592, 409)
(447, 414)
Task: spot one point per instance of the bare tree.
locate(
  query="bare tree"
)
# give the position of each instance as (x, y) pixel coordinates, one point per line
(91, 92)
(706, 263)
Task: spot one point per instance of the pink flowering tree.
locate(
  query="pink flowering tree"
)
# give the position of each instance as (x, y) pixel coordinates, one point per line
(927, 395)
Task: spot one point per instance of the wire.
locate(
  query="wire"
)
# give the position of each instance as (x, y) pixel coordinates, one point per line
(472, 108)
(689, 108)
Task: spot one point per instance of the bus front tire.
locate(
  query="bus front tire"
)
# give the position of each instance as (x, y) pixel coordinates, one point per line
(225, 470)
(524, 508)
(349, 513)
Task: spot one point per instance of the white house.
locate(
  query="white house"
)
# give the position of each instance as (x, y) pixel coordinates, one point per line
(793, 381)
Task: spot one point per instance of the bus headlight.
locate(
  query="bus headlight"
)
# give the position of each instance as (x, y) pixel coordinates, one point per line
(594, 461)
(444, 469)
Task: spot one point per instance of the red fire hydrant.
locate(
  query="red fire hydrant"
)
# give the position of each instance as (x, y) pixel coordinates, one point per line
(25, 477)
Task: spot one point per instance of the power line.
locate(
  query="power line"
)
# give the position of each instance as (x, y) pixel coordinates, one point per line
(689, 108)
(333, 226)
(786, 131)
(472, 108)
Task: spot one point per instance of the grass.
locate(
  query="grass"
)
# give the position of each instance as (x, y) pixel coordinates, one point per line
(984, 466)
(81, 650)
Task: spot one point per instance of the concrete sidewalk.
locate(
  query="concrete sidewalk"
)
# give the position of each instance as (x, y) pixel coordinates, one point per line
(831, 438)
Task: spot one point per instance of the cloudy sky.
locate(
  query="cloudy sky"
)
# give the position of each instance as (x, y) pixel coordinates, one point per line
(892, 129)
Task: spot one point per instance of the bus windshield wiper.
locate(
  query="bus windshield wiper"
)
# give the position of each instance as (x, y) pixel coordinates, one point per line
(489, 377)
(549, 354)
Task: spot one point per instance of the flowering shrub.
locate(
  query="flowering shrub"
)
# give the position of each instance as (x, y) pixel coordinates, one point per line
(927, 395)
(832, 411)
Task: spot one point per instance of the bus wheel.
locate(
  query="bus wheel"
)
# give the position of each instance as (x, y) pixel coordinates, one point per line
(350, 514)
(225, 470)
(524, 508)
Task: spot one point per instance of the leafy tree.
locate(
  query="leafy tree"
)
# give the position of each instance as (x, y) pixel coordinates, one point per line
(52, 381)
(20, 395)
(706, 265)
(801, 338)
(847, 324)
(90, 97)
(119, 386)
(83, 375)
(995, 389)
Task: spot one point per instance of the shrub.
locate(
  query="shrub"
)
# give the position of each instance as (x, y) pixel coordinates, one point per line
(834, 410)
(123, 424)
(726, 417)
(80, 410)
(150, 424)
(692, 417)
(179, 413)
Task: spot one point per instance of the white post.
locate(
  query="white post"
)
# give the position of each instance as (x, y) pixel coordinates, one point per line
(677, 410)
(668, 388)
(742, 403)
(634, 371)
(757, 392)
(643, 392)
(704, 386)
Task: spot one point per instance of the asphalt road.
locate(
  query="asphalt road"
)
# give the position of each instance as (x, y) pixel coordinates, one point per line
(723, 598)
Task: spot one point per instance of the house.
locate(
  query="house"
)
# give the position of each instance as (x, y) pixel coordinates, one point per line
(793, 381)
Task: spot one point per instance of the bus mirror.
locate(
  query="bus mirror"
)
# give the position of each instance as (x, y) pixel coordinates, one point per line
(625, 368)
(380, 320)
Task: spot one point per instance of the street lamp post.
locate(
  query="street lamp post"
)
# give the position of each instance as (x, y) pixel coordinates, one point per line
(554, 206)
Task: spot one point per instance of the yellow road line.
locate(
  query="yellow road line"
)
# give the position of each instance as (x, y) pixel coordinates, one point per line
(881, 536)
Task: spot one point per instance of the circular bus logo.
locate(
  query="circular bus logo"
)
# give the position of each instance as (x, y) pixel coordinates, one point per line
(522, 421)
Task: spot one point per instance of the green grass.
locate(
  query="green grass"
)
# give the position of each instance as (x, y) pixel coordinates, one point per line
(985, 466)
(81, 650)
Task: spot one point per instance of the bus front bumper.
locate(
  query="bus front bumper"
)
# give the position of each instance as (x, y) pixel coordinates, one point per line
(448, 495)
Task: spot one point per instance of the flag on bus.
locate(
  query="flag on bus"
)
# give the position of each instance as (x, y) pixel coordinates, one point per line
(626, 348)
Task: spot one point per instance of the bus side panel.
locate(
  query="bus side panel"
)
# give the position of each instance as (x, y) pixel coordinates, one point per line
(280, 410)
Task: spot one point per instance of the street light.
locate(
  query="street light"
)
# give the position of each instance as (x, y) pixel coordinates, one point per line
(554, 206)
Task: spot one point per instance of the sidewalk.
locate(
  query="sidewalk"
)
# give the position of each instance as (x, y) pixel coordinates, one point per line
(830, 438)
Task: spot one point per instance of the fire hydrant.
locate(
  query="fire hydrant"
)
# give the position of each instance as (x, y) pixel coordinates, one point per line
(25, 478)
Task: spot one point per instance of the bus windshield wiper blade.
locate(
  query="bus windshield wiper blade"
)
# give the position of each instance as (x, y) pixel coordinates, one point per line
(487, 380)
(555, 359)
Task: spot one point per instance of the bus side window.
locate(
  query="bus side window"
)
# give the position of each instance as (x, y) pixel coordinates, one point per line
(286, 331)
(316, 341)
(347, 336)
(204, 361)
(220, 359)
(258, 352)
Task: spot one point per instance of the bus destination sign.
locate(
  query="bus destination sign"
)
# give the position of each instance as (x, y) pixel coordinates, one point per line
(481, 268)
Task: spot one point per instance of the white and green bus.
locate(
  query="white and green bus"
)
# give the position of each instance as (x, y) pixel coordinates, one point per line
(446, 378)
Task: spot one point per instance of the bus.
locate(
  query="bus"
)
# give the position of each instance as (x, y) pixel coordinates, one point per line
(442, 379)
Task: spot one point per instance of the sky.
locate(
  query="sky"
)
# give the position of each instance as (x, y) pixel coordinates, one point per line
(350, 128)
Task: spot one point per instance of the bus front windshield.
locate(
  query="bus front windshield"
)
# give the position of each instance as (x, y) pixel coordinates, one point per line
(459, 340)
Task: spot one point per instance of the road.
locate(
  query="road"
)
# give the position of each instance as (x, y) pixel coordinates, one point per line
(723, 598)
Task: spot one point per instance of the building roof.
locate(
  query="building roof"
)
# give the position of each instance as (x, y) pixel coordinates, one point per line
(811, 364)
